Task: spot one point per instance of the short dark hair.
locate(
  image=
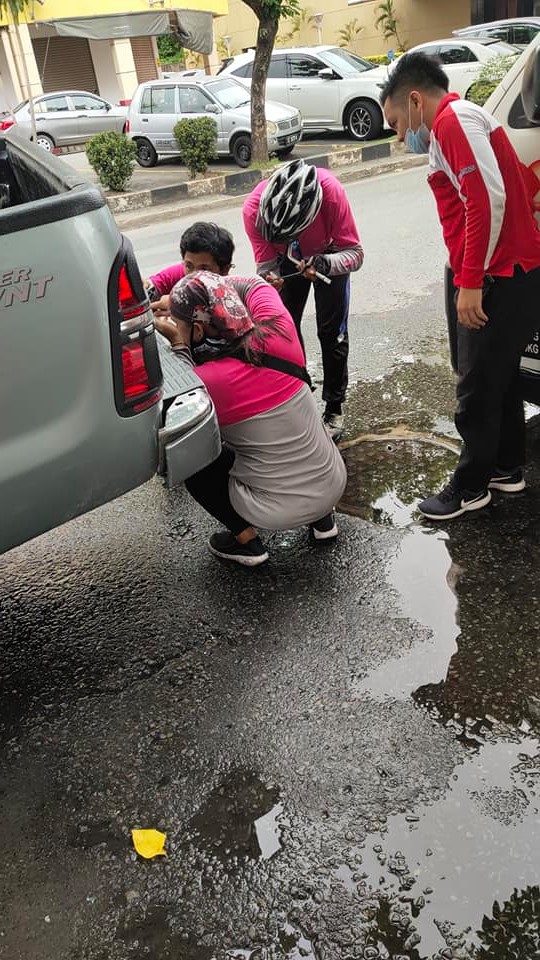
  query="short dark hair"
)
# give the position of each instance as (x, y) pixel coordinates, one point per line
(414, 71)
(204, 237)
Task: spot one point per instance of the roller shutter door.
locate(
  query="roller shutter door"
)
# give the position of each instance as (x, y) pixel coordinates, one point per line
(65, 63)
(143, 56)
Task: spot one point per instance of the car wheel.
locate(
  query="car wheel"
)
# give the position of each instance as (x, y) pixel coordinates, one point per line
(285, 153)
(241, 150)
(45, 141)
(146, 155)
(363, 120)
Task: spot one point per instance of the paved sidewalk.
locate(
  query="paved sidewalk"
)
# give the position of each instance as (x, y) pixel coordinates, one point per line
(169, 182)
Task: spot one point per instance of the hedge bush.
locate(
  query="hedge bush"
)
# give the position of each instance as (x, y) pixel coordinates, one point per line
(112, 156)
(489, 78)
(197, 143)
(380, 59)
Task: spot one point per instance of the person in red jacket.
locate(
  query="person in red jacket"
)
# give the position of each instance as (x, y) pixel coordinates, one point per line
(484, 198)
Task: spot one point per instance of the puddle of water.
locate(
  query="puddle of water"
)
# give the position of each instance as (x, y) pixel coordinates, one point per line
(240, 819)
(388, 477)
(422, 574)
(268, 832)
(295, 944)
(151, 936)
(469, 849)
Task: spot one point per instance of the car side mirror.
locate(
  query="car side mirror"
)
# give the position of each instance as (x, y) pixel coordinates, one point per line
(530, 88)
(327, 73)
(211, 108)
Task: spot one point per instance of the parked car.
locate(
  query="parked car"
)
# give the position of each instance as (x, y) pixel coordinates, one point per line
(462, 60)
(332, 88)
(86, 411)
(158, 105)
(519, 31)
(182, 74)
(66, 117)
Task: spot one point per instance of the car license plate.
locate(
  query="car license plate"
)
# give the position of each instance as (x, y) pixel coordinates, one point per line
(292, 138)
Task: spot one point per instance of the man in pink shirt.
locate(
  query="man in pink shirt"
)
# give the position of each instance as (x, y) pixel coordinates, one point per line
(303, 232)
(204, 246)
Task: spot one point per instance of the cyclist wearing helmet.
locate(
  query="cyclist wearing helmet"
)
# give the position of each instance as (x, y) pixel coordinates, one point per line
(301, 228)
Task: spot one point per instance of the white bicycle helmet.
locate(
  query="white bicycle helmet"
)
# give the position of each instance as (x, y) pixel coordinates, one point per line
(290, 202)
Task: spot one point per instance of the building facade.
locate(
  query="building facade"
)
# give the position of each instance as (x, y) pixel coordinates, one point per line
(323, 21)
(102, 46)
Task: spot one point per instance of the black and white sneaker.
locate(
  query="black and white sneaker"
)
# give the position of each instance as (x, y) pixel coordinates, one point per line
(451, 502)
(326, 528)
(334, 423)
(249, 554)
(508, 481)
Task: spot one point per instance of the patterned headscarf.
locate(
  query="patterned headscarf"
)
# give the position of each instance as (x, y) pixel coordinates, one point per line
(205, 297)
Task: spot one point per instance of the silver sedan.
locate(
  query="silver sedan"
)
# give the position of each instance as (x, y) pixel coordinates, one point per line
(66, 117)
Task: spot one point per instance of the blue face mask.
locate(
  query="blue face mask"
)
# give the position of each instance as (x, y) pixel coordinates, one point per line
(417, 141)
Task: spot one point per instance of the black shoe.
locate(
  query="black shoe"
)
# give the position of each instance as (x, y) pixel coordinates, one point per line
(226, 546)
(326, 528)
(334, 423)
(451, 502)
(508, 481)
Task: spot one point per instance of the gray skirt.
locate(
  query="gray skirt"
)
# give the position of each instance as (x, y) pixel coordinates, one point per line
(287, 471)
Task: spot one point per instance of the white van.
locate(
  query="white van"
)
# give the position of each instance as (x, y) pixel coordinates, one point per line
(515, 103)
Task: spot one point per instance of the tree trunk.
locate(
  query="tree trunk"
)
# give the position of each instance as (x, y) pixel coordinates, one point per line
(266, 35)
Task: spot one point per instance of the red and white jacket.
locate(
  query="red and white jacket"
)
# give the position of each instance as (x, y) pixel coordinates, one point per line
(484, 195)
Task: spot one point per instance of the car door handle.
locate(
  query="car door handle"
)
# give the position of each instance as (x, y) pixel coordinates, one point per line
(295, 88)
(82, 116)
(144, 119)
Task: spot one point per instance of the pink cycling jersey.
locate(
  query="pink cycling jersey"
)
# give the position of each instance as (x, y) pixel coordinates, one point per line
(333, 229)
(240, 390)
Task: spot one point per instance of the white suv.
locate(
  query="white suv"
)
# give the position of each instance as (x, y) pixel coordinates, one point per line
(332, 88)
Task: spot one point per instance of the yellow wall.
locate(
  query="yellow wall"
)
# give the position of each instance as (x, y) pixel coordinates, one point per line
(64, 9)
(419, 20)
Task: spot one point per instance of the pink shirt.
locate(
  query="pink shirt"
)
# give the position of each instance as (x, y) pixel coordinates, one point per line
(333, 228)
(165, 280)
(240, 390)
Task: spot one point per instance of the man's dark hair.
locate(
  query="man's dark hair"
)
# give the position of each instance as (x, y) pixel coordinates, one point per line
(414, 71)
(203, 237)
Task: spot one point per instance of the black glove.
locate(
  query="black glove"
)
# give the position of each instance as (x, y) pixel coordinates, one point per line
(321, 264)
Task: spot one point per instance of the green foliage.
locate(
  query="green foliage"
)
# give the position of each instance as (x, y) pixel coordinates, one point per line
(381, 59)
(349, 33)
(387, 22)
(112, 156)
(513, 932)
(13, 8)
(170, 49)
(274, 9)
(297, 23)
(489, 78)
(197, 142)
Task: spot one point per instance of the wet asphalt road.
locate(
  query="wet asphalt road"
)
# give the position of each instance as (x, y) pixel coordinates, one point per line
(342, 748)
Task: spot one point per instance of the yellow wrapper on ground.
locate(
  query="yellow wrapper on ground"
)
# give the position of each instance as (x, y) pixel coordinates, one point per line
(149, 843)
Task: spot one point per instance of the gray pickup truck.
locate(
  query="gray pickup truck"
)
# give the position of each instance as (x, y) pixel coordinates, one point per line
(85, 411)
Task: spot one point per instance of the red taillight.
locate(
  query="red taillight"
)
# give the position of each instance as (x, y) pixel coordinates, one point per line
(134, 370)
(6, 124)
(127, 126)
(136, 326)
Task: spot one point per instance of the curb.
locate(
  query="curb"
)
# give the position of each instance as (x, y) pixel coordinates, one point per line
(207, 207)
(235, 184)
